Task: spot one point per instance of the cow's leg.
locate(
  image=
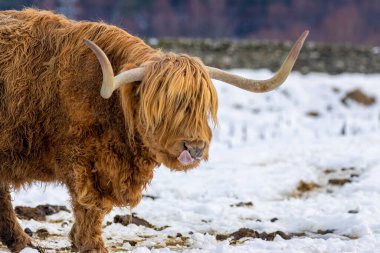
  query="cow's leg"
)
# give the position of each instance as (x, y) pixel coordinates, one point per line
(86, 233)
(11, 233)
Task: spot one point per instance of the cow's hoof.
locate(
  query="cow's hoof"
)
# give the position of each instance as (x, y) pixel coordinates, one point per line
(98, 250)
(17, 243)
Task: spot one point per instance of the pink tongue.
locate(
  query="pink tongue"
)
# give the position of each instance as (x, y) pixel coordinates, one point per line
(185, 158)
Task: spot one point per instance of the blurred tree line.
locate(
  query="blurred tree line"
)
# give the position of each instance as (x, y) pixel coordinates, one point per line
(353, 21)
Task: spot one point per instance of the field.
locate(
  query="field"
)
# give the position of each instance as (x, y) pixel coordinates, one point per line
(293, 170)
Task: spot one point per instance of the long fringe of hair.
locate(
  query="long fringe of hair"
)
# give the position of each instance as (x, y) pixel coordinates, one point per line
(176, 96)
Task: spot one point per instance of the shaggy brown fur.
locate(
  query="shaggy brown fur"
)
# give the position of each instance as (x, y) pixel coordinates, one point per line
(55, 127)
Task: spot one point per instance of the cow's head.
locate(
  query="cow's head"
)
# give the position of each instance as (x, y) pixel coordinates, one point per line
(177, 101)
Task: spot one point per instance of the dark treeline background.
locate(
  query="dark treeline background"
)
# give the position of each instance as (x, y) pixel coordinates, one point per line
(343, 21)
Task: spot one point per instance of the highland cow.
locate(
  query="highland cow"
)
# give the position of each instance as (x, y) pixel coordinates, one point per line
(55, 127)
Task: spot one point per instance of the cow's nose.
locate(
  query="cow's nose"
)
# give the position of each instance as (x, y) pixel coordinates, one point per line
(195, 148)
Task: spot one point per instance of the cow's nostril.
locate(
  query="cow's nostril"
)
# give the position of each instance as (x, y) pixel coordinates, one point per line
(195, 148)
(197, 152)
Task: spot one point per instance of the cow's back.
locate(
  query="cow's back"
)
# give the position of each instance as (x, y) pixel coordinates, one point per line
(29, 106)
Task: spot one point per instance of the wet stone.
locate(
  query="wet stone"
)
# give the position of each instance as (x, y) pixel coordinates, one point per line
(28, 231)
(274, 219)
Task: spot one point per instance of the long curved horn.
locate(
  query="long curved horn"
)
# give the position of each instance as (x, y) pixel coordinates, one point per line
(111, 82)
(262, 85)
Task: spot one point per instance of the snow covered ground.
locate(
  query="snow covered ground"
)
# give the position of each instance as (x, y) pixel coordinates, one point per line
(295, 160)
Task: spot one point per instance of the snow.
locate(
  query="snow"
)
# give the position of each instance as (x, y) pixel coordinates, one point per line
(264, 145)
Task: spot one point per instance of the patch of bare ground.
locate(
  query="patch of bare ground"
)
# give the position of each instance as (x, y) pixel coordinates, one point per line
(313, 114)
(303, 188)
(178, 240)
(63, 249)
(133, 219)
(39, 212)
(330, 180)
(339, 181)
(246, 233)
(42, 233)
(173, 242)
(243, 204)
(358, 96)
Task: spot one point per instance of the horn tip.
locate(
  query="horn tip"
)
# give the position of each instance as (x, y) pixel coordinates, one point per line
(304, 35)
(298, 45)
